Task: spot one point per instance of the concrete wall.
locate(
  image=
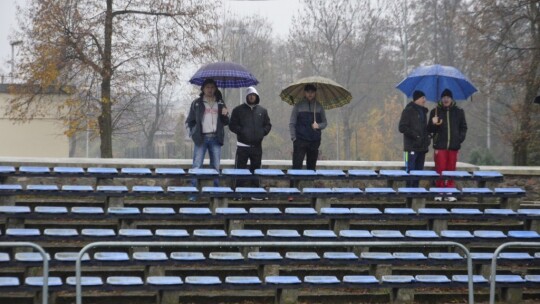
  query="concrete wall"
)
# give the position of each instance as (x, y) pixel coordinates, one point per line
(40, 137)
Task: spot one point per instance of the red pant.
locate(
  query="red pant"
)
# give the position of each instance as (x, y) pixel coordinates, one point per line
(445, 160)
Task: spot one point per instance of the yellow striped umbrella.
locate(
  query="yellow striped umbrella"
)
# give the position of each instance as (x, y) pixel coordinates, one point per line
(329, 93)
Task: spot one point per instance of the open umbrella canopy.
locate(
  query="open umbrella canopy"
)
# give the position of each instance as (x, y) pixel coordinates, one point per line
(433, 79)
(226, 74)
(329, 93)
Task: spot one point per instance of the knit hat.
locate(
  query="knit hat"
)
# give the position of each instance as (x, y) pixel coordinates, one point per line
(448, 93)
(417, 95)
(310, 87)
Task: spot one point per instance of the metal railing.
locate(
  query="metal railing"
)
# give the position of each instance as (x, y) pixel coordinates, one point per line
(45, 288)
(493, 274)
(191, 244)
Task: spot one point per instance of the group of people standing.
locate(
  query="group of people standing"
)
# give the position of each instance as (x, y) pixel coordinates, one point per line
(208, 116)
(446, 126)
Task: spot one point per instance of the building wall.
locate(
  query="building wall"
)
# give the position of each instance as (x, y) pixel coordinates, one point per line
(40, 137)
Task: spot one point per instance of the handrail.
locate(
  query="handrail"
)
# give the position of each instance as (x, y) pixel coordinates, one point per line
(45, 288)
(268, 244)
(492, 278)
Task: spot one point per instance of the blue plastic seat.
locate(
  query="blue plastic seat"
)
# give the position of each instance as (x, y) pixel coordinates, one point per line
(397, 279)
(300, 211)
(236, 172)
(477, 191)
(430, 278)
(444, 191)
(101, 170)
(177, 233)
(346, 191)
(377, 256)
(158, 210)
(459, 234)
(242, 280)
(423, 173)
(182, 190)
(209, 233)
(465, 211)
(111, 256)
(112, 189)
(317, 191)
(489, 234)
(14, 209)
(30, 257)
(355, 234)
(70, 256)
(203, 171)
(123, 210)
(38, 281)
(216, 190)
(534, 278)
(42, 188)
(135, 232)
(269, 172)
(360, 279)
(124, 281)
(421, 234)
(226, 256)
(499, 211)
(77, 188)
(412, 191)
(247, 233)
(481, 256)
(264, 256)
(311, 233)
(195, 210)
(164, 280)
(264, 210)
(202, 280)
(34, 170)
(10, 188)
(379, 191)
(170, 171)
(462, 278)
(283, 233)
(487, 174)
(50, 209)
(401, 211)
(4, 257)
(87, 210)
(150, 256)
(98, 232)
(7, 169)
(366, 211)
(22, 232)
(445, 256)
(63, 232)
(331, 173)
(231, 210)
(393, 173)
(136, 171)
(9, 281)
(68, 170)
(282, 280)
(284, 191)
(433, 211)
(188, 256)
(250, 190)
(340, 256)
(409, 256)
(321, 280)
(85, 281)
(147, 189)
(508, 191)
(304, 256)
(301, 172)
(523, 234)
(387, 234)
(335, 211)
(509, 278)
(457, 174)
(363, 173)
(529, 212)
(515, 256)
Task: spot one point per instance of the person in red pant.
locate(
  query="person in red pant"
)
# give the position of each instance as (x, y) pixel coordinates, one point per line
(448, 125)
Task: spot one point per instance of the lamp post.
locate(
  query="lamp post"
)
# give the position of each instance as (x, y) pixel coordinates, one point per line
(241, 31)
(13, 44)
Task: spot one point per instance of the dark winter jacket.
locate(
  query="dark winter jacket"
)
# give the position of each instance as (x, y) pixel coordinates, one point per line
(250, 124)
(413, 125)
(195, 117)
(302, 118)
(451, 133)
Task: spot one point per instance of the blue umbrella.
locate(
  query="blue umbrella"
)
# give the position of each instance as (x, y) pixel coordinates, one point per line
(433, 79)
(226, 74)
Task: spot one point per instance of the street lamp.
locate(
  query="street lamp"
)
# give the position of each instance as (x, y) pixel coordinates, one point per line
(241, 31)
(13, 44)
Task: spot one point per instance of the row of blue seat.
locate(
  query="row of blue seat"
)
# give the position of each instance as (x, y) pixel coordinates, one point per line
(239, 173)
(291, 234)
(8, 189)
(268, 257)
(265, 212)
(366, 281)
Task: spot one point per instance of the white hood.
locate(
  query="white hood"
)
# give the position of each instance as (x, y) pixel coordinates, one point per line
(252, 90)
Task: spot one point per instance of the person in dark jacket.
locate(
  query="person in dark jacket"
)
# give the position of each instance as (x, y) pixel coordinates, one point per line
(413, 125)
(307, 121)
(449, 127)
(207, 117)
(251, 123)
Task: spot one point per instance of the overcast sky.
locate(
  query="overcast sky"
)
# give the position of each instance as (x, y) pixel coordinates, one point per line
(278, 12)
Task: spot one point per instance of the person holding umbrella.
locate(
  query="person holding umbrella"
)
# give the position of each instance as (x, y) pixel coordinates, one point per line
(308, 118)
(207, 117)
(449, 127)
(413, 125)
(251, 123)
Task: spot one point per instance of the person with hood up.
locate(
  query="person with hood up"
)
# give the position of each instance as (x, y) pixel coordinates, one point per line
(449, 127)
(207, 117)
(251, 123)
(413, 125)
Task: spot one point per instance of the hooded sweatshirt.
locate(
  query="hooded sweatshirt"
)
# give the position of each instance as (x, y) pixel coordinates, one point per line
(250, 123)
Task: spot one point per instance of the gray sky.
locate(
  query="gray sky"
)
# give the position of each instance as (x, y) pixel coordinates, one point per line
(278, 12)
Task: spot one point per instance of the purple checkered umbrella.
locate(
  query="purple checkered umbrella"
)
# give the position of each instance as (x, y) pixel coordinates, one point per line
(226, 74)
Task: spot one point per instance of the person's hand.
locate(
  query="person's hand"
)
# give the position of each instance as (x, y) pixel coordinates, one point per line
(436, 120)
(315, 125)
(224, 111)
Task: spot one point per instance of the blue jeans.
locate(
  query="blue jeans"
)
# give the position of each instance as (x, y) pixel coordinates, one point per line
(214, 153)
